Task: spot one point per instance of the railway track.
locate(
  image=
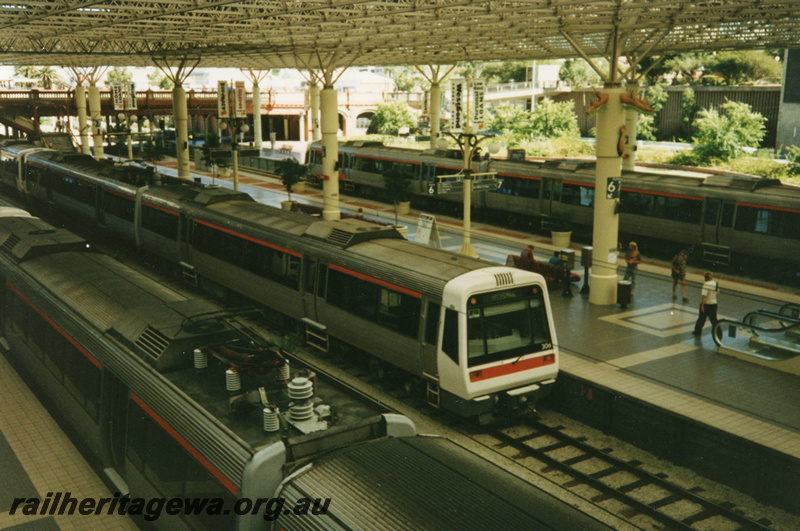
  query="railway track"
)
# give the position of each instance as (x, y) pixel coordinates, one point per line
(611, 478)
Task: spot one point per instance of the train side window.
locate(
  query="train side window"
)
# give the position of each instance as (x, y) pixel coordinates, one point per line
(119, 206)
(432, 323)
(575, 194)
(450, 335)
(387, 307)
(162, 223)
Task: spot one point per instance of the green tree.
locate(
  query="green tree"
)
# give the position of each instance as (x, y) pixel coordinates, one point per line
(407, 79)
(47, 76)
(159, 80)
(553, 120)
(390, 117)
(688, 110)
(686, 65)
(505, 71)
(577, 73)
(118, 75)
(507, 118)
(721, 136)
(746, 66)
(647, 126)
(291, 172)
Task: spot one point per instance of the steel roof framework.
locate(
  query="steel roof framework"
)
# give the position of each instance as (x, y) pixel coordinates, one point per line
(263, 34)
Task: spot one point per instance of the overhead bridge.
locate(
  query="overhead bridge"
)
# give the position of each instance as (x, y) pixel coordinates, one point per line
(768, 338)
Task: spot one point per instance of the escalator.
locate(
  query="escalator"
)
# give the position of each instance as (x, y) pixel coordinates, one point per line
(765, 337)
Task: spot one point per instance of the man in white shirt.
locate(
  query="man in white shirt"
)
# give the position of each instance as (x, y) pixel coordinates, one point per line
(708, 304)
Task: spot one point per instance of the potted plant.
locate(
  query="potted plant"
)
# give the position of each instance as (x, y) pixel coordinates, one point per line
(398, 188)
(561, 225)
(291, 172)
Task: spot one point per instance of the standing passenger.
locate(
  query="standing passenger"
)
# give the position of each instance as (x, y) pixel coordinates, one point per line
(708, 304)
(679, 274)
(633, 259)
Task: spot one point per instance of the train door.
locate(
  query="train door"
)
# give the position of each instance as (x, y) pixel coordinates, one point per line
(346, 166)
(185, 238)
(115, 395)
(551, 195)
(310, 268)
(717, 230)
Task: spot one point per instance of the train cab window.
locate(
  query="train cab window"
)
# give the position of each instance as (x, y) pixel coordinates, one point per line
(450, 335)
(160, 222)
(432, 323)
(506, 324)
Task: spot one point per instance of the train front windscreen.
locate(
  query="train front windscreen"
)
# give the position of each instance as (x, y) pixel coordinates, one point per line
(506, 324)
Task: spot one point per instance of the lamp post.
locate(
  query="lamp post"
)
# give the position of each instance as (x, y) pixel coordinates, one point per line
(468, 143)
(237, 126)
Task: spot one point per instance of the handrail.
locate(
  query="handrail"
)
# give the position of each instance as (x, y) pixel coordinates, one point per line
(750, 317)
(718, 329)
(792, 307)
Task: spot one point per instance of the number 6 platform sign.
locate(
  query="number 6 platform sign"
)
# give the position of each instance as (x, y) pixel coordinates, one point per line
(612, 188)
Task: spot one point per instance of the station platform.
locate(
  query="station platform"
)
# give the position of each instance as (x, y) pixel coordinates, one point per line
(37, 459)
(639, 373)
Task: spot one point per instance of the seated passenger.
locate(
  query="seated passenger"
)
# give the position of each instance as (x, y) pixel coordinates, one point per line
(527, 253)
(555, 259)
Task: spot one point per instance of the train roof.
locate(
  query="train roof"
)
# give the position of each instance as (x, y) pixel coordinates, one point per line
(374, 250)
(384, 477)
(159, 326)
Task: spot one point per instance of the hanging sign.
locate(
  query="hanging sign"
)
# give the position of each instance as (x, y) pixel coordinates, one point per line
(223, 108)
(457, 87)
(240, 100)
(118, 95)
(479, 92)
(131, 97)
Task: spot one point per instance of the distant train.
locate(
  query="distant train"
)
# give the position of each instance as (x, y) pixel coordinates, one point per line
(725, 218)
(198, 424)
(480, 338)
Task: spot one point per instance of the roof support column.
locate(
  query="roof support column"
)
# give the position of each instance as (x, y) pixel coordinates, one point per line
(180, 113)
(435, 77)
(83, 123)
(257, 76)
(610, 135)
(631, 121)
(316, 133)
(97, 118)
(330, 152)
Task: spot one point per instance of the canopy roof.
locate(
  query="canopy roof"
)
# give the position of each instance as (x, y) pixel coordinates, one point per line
(262, 34)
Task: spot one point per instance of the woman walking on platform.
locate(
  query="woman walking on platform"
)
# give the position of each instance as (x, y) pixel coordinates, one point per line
(708, 304)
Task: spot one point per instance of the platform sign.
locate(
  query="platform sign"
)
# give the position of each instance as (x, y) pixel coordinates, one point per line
(427, 231)
(223, 107)
(457, 89)
(130, 100)
(118, 96)
(457, 187)
(240, 100)
(479, 110)
(613, 188)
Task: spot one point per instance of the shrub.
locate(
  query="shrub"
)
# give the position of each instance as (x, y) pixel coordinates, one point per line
(721, 136)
